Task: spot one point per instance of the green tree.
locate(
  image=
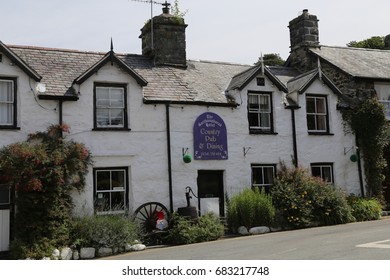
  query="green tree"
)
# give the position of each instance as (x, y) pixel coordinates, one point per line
(43, 171)
(271, 59)
(375, 42)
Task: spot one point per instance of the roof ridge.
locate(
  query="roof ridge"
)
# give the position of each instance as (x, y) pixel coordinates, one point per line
(354, 48)
(219, 62)
(54, 49)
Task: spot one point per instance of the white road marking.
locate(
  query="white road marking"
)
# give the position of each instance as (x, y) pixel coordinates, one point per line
(377, 244)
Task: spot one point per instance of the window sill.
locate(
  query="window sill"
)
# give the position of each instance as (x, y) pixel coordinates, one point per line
(10, 127)
(111, 129)
(255, 132)
(321, 133)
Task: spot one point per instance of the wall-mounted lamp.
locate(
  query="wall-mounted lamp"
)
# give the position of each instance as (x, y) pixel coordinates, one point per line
(186, 156)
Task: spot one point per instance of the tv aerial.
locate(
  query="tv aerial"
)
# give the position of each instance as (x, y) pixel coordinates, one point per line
(166, 6)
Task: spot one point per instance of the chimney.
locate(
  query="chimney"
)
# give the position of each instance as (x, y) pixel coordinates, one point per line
(168, 44)
(304, 31)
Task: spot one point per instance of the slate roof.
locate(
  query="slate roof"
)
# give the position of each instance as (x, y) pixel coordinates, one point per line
(358, 62)
(200, 82)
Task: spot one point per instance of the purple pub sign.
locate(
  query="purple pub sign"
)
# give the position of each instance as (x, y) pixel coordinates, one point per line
(210, 138)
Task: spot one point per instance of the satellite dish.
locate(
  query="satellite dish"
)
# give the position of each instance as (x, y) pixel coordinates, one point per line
(41, 88)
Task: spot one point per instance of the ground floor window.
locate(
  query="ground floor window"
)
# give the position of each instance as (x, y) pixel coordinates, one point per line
(263, 176)
(111, 190)
(323, 170)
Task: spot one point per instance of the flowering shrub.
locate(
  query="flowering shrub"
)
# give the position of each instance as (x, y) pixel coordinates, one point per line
(42, 171)
(304, 200)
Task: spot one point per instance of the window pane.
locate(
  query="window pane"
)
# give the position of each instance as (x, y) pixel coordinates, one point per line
(102, 97)
(117, 201)
(316, 171)
(268, 175)
(103, 180)
(265, 120)
(320, 105)
(6, 103)
(116, 117)
(310, 105)
(103, 117)
(117, 97)
(254, 120)
(118, 179)
(321, 122)
(327, 174)
(257, 176)
(102, 202)
(264, 103)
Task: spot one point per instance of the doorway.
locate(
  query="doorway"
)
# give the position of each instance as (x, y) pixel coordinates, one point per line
(211, 192)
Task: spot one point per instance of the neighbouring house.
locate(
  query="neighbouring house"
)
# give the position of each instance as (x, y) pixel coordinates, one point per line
(156, 123)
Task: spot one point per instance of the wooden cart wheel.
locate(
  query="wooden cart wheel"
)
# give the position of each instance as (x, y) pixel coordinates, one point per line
(147, 215)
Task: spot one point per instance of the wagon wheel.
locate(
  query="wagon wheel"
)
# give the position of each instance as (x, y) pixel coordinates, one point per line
(147, 215)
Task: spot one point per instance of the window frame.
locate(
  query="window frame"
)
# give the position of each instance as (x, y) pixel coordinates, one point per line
(317, 131)
(263, 185)
(95, 107)
(322, 165)
(258, 129)
(14, 103)
(125, 190)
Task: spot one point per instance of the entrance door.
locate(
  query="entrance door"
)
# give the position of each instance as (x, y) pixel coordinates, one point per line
(210, 192)
(4, 217)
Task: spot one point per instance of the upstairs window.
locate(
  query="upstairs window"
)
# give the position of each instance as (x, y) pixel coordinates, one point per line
(7, 103)
(317, 114)
(263, 176)
(323, 171)
(110, 106)
(260, 112)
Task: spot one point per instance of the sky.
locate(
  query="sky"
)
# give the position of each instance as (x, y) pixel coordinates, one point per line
(218, 30)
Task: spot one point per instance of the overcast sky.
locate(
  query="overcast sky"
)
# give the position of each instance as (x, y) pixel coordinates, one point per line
(218, 30)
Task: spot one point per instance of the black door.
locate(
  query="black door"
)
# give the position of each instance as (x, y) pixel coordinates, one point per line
(210, 185)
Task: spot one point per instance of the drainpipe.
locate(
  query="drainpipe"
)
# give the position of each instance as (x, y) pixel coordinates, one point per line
(60, 121)
(294, 135)
(169, 157)
(359, 167)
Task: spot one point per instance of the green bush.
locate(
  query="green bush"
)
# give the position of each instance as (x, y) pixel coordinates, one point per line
(250, 208)
(208, 227)
(304, 200)
(104, 231)
(365, 209)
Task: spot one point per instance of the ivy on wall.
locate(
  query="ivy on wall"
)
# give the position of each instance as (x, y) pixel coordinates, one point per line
(367, 120)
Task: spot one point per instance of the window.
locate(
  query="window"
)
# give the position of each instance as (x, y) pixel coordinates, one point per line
(260, 112)
(317, 114)
(7, 103)
(260, 81)
(323, 170)
(263, 176)
(111, 188)
(110, 106)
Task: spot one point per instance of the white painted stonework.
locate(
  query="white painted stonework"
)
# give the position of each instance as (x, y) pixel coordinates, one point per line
(143, 149)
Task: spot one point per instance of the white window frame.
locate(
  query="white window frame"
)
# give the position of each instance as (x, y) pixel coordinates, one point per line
(322, 166)
(323, 115)
(100, 195)
(263, 184)
(110, 106)
(8, 105)
(261, 113)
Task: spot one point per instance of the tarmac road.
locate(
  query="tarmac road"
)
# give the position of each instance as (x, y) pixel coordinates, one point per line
(354, 241)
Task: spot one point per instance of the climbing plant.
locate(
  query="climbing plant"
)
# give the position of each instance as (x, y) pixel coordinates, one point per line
(367, 120)
(43, 170)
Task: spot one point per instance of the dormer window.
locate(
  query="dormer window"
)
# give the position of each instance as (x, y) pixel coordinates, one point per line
(110, 106)
(260, 115)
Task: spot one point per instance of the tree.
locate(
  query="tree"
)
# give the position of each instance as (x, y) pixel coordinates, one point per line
(271, 59)
(43, 171)
(375, 42)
